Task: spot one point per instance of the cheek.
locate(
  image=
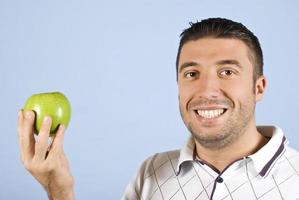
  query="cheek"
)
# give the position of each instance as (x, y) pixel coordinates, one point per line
(239, 92)
(185, 94)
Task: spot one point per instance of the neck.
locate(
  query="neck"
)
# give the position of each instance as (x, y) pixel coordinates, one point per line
(248, 143)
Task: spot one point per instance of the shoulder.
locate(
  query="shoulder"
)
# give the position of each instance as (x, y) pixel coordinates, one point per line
(292, 151)
(154, 170)
(291, 156)
(159, 161)
(285, 173)
(288, 163)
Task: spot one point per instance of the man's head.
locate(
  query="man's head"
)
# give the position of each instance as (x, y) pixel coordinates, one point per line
(218, 64)
(225, 28)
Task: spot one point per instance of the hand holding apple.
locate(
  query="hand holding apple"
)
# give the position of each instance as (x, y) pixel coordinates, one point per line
(47, 164)
(54, 104)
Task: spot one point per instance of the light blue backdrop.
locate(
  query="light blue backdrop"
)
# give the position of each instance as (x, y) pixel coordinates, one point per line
(115, 60)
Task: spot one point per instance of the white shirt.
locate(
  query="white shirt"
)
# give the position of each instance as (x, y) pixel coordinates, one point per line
(271, 173)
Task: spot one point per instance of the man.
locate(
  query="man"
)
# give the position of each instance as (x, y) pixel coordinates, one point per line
(220, 79)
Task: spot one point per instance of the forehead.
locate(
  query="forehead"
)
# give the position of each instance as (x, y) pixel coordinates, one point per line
(211, 50)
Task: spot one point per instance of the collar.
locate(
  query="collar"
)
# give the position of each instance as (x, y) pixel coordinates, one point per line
(263, 160)
(187, 153)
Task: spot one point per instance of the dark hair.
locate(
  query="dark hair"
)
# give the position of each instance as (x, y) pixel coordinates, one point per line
(224, 28)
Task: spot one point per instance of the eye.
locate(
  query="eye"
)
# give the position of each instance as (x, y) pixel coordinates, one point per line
(226, 72)
(191, 74)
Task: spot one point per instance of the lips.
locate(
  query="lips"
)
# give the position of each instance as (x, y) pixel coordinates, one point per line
(209, 110)
(210, 113)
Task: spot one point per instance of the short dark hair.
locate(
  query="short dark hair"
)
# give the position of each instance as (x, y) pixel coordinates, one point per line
(224, 28)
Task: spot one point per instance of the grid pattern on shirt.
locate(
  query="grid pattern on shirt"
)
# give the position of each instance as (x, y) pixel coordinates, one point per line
(196, 181)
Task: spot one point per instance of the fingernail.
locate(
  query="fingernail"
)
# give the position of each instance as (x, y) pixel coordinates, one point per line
(47, 119)
(61, 127)
(20, 113)
(28, 114)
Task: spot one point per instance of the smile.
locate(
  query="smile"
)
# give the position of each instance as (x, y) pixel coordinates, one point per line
(209, 114)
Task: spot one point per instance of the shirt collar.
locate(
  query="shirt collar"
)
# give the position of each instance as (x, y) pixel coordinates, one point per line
(186, 154)
(263, 159)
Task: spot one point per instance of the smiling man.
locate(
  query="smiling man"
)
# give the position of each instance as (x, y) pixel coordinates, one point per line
(217, 95)
(220, 79)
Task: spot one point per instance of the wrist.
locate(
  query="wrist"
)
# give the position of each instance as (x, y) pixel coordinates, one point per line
(65, 195)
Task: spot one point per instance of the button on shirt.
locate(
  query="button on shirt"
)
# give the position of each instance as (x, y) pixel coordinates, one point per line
(271, 173)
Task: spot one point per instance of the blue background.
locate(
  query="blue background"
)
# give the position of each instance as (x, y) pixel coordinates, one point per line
(115, 61)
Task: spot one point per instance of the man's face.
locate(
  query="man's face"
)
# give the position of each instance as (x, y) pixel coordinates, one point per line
(217, 94)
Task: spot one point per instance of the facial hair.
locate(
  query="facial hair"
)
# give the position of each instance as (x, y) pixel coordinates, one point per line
(231, 130)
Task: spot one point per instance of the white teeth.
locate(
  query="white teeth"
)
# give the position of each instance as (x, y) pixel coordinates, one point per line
(210, 113)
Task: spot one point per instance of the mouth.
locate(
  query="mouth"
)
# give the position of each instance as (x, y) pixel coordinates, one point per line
(210, 113)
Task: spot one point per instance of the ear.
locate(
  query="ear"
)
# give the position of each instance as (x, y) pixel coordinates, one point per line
(260, 86)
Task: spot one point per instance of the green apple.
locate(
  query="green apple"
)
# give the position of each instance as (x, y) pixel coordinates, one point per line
(53, 104)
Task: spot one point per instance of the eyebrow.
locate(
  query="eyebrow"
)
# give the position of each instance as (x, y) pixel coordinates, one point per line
(220, 62)
(188, 64)
(229, 62)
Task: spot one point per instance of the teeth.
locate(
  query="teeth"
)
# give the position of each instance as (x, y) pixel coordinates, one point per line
(210, 113)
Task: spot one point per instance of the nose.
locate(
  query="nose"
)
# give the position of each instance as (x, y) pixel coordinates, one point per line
(208, 86)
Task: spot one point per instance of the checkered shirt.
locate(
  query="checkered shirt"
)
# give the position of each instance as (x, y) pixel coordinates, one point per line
(269, 174)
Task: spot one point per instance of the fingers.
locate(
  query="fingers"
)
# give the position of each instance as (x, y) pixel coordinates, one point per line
(25, 131)
(57, 144)
(37, 148)
(41, 144)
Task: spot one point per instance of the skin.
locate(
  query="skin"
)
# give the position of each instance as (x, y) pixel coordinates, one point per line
(218, 74)
(47, 163)
(205, 82)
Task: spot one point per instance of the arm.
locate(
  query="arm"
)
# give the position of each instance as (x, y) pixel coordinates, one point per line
(137, 189)
(47, 164)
